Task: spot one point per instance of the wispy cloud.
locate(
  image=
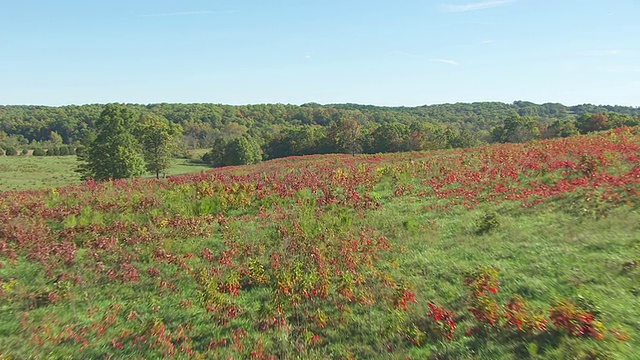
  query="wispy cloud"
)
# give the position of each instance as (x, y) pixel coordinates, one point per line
(622, 70)
(187, 13)
(446, 61)
(475, 6)
(487, 42)
(596, 53)
(403, 54)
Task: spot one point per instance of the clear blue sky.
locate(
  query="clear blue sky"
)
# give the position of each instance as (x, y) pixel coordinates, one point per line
(400, 52)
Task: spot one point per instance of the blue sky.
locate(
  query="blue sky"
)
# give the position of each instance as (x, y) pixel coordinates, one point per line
(400, 52)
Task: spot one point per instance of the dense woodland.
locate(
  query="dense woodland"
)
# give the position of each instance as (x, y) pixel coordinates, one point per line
(246, 134)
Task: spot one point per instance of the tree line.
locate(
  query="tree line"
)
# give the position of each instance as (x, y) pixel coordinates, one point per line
(145, 136)
(204, 123)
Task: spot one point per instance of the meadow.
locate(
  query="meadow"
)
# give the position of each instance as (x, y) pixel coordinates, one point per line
(527, 251)
(41, 172)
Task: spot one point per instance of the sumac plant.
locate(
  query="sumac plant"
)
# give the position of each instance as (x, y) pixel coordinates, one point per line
(308, 257)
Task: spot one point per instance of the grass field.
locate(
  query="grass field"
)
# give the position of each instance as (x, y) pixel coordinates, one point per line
(40, 172)
(515, 251)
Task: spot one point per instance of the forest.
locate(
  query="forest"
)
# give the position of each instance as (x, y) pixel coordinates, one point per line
(250, 133)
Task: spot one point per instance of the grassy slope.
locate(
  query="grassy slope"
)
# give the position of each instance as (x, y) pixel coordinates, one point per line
(33, 172)
(579, 243)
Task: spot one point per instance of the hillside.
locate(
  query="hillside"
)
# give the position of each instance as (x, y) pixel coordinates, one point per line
(203, 122)
(496, 252)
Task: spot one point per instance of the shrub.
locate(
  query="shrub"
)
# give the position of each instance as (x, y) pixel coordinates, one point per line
(576, 321)
(10, 151)
(63, 150)
(80, 151)
(39, 152)
(487, 223)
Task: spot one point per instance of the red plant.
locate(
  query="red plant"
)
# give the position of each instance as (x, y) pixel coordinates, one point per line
(519, 316)
(446, 325)
(575, 321)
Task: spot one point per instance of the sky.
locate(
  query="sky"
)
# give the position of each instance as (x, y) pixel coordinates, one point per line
(390, 53)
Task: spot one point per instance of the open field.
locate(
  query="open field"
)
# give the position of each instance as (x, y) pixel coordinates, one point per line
(527, 251)
(31, 172)
(39, 172)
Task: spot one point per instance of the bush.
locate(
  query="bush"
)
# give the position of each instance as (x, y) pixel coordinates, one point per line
(24, 152)
(10, 151)
(53, 152)
(63, 150)
(39, 152)
(487, 223)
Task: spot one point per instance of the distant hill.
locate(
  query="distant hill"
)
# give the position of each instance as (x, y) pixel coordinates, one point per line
(71, 122)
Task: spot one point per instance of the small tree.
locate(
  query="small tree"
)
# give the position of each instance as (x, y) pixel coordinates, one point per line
(243, 150)
(595, 122)
(238, 151)
(10, 151)
(562, 128)
(516, 129)
(159, 139)
(63, 150)
(343, 136)
(391, 137)
(217, 155)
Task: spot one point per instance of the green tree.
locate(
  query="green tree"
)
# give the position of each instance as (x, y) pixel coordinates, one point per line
(343, 136)
(617, 120)
(462, 138)
(295, 140)
(587, 123)
(10, 151)
(426, 136)
(55, 138)
(217, 155)
(516, 129)
(238, 151)
(562, 128)
(391, 137)
(114, 153)
(159, 139)
(243, 150)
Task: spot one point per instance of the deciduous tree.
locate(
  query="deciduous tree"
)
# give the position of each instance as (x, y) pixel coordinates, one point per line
(159, 139)
(114, 153)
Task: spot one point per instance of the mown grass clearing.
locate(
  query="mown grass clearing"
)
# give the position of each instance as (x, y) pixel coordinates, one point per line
(41, 172)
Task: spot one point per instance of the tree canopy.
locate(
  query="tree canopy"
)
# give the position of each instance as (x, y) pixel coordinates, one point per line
(114, 153)
(283, 130)
(159, 139)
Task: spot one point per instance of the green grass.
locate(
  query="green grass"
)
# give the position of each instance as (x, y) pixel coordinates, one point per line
(37, 172)
(41, 172)
(189, 239)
